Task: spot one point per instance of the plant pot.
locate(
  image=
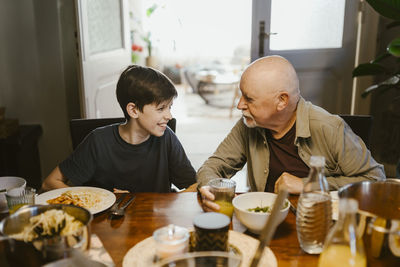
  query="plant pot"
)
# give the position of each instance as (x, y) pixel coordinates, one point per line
(151, 62)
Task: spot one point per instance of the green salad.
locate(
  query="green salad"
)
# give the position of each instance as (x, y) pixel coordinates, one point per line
(266, 209)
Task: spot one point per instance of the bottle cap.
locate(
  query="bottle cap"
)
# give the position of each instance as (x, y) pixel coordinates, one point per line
(317, 161)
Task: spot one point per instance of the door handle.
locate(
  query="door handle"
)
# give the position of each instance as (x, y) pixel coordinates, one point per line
(261, 37)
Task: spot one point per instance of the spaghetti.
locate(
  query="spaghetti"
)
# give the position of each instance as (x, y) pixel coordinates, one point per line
(48, 224)
(85, 199)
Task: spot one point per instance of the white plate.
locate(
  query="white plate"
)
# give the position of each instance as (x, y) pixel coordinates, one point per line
(142, 254)
(335, 205)
(107, 197)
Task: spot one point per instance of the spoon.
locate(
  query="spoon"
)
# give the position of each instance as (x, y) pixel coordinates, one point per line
(269, 228)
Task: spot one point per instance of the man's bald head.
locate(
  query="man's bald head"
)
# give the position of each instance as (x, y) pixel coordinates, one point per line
(273, 74)
(270, 93)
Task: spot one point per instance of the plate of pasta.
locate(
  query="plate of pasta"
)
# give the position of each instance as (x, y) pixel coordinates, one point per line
(93, 199)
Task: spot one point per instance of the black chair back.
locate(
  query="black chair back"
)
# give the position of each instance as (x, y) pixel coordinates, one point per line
(361, 126)
(81, 127)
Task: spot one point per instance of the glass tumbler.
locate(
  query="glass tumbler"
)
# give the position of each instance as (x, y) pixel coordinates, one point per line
(18, 197)
(224, 191)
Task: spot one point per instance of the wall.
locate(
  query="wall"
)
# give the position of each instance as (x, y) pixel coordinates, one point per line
(34, 80)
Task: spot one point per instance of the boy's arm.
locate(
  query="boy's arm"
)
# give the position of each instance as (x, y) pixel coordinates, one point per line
(55, 180)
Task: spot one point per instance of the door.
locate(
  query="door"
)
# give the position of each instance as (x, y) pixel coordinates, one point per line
(104, 50)
(318, 38)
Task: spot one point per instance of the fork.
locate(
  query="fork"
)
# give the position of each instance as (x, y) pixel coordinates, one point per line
(116, 203)
(121, 210)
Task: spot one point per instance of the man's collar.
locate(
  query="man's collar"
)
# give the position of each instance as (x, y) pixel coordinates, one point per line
(302, 120)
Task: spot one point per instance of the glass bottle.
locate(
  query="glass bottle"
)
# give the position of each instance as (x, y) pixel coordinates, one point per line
(314, 209)
(342, 246)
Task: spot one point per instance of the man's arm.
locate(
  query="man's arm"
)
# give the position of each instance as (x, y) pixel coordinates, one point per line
(55, 180)
(348, 160)
(229, 157)
(354, 160)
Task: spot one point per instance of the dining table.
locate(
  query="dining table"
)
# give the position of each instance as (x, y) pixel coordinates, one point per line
(150, 211)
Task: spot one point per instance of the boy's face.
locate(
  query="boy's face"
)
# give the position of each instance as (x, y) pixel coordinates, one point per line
(154, 118)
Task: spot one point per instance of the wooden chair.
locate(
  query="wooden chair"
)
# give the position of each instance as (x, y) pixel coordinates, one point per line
(361, 126)
(81, 127)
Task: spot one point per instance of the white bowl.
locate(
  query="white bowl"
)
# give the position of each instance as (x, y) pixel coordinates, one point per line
(8, 182)
(255, 221)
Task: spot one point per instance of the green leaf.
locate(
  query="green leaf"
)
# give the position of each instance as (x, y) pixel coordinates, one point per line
(381, 57)
(394, 47)
(369, 69)
(393, 24)
(387, 8)
(151, 9)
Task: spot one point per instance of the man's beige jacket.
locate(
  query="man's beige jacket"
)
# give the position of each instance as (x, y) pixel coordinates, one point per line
(317, 133)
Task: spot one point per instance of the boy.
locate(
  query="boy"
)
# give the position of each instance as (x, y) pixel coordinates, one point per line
(140, 155)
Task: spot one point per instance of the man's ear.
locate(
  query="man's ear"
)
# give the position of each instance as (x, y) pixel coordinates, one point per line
(283, 101)
(132, 110)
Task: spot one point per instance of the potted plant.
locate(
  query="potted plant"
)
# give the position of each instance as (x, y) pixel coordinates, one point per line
(145, 35)
(147, 38)
(386, 69)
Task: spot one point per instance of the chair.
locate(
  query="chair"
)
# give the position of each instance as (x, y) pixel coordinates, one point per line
(361, 126)
(81, 127)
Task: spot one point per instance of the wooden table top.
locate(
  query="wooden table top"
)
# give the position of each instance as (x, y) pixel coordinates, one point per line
(154, 210)
(151, 211)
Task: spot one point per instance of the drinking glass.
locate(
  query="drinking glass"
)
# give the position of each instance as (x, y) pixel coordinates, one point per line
(19, 196)
(224, 191)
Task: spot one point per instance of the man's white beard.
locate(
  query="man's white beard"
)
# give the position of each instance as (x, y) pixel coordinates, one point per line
(253, 123)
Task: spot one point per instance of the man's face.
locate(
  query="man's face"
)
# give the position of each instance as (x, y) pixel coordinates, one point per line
(154, 118)
(258, 106)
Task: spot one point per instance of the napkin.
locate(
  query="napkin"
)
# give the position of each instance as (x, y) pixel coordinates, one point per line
(97, 252)
(96, 257)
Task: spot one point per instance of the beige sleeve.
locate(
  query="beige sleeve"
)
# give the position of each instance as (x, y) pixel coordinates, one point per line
(354, 160)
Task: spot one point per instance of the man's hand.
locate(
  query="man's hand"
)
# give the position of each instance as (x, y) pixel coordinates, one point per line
(293, 184)
(207, 199)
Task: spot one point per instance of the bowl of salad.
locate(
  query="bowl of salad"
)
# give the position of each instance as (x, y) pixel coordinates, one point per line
(253, 209)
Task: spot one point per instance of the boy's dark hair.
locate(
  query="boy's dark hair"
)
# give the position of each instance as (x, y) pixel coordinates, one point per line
(141, 86)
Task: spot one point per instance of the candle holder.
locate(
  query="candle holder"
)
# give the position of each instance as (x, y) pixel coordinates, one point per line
(171, 240)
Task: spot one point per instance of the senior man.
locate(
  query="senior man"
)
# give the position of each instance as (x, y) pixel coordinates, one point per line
(279, 133)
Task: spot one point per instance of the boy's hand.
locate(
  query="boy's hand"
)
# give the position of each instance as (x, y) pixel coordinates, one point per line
(116, 191)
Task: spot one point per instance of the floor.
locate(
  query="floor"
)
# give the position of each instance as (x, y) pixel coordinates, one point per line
(201, 128)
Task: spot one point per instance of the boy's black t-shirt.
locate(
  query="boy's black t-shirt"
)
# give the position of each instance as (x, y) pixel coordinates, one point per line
(105, 160)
